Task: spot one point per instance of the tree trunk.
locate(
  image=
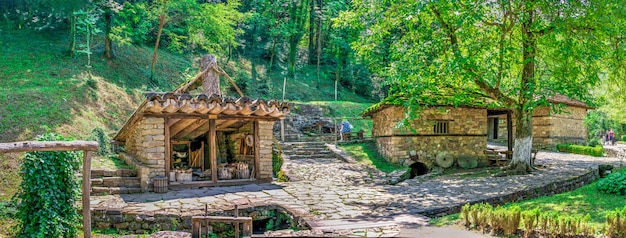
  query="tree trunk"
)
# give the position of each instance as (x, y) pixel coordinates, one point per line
(271, 66)
(72, 35)
(108, 18)
(319, 42)
(311, 31)
(156, 46)
(523, 113)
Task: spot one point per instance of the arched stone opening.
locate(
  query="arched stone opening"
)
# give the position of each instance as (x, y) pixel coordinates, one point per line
(418, 168)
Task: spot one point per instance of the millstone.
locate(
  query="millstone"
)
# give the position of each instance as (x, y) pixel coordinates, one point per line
(467, 162)
(444, 160)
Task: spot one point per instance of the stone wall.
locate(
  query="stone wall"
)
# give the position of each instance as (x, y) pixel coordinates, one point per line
(146, 143)
(551, 129)
(467, 134)
(265, 152)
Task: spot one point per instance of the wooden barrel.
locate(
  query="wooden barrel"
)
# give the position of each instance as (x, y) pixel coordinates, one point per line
(160, 184)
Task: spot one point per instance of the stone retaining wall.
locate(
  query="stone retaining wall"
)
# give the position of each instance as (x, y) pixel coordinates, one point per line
(530, 193)
(159, 221)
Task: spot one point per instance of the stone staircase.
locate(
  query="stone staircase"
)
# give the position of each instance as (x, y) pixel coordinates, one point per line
(306, 150)
(121, 181)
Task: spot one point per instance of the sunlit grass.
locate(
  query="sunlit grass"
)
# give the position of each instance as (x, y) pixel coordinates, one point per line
(366, 153)
(579, 202)
(110, 162)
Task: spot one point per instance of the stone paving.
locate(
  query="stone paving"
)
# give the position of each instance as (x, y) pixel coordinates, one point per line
(329, 189)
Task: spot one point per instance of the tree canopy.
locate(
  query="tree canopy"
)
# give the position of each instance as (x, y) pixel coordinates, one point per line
(520, 53)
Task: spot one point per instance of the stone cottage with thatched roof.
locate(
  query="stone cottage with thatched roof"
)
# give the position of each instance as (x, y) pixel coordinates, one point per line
(198, 140)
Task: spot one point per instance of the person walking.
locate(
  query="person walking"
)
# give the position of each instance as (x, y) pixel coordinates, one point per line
(346, 127)
(611, 135)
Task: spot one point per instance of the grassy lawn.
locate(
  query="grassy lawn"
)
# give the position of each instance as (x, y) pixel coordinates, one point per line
(580, 202)
(365, 153)
(110, 162)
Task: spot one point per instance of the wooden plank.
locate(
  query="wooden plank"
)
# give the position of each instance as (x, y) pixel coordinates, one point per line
(25, 146)
(195, 228)
(226, 123)
(181, 125)
(86, 192)
(201, 130)
(212, 149)
(257, 148)
(221, 219)
(190, 129)
(168, 148)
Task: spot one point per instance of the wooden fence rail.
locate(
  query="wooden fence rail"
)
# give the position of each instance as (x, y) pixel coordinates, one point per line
(86, 146)
(200, 222)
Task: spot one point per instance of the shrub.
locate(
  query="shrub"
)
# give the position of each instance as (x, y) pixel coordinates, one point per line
(615, 183)
(597, 151)
(49, 191)
(624, 138)
(277, 162)
(98, 135)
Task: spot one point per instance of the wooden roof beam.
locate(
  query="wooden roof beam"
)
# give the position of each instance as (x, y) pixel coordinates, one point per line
(191, 128)
(181, 125)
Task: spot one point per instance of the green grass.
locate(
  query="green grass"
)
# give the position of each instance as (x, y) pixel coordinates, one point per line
(366, 153)
(580, 202)
(340, 109)
(109, 162)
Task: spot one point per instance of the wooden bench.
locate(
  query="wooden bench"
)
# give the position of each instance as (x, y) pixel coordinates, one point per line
(497, 158)
(501, 158)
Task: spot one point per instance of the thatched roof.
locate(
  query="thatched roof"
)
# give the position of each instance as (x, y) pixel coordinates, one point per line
(190, 109)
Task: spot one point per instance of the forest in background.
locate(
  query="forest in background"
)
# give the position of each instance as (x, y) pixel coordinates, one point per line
(365, 49)
(287, 40)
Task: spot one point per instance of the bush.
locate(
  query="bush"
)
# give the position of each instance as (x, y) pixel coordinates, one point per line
(277, 162)
(624, 138)
(49, 191)
(615, 183)
(597, 151)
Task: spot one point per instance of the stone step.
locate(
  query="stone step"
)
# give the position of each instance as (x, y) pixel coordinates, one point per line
(308, 152)
(116, 182)
(323, 156)
(96, 191)
(98, 173)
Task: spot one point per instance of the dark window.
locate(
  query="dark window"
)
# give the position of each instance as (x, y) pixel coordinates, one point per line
(442, 127)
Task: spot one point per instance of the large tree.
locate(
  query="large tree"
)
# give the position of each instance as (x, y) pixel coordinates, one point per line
(519, 53)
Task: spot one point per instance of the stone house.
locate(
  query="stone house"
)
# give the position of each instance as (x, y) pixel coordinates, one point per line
(442, 131)
(201, 140)
(549, 128)
(451, 132)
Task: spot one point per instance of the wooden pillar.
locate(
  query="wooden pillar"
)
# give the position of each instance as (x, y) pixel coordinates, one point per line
(213, 147)
(509, 132)
(86, 191)
(168, 149)
(210, 77)
(282, 130)
(257, 150)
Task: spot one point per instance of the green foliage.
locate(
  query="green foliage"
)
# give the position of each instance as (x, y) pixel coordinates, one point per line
(597, 151)
(366, 153)
(104, 140)
(615, 183)
(277, 162)
(616, 223)
(49, 192)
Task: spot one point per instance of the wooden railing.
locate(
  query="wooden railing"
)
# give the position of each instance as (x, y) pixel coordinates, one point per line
(201, 225)
(86, 146)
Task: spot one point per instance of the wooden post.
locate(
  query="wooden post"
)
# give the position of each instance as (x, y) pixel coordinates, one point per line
(210, 78)
(282, 129)
(284, 85)
(212, 149)
(86, 146)
(509, 131)
(168, 150)
(86, 192)
(257, 149)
